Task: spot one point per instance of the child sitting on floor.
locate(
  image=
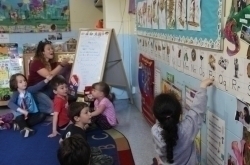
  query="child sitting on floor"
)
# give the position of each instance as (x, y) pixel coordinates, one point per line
(104, 112)
(80, 116)
(23, 105)
(60, 117)
(174, 139)
(6, 121)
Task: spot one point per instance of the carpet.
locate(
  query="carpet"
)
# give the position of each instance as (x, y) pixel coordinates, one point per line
(41, 150)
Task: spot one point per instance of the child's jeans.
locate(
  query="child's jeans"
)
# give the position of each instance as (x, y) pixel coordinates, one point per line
(7, 119)
(33, 119)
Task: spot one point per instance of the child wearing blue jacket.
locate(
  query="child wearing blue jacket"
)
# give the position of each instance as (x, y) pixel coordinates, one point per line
(23, 105)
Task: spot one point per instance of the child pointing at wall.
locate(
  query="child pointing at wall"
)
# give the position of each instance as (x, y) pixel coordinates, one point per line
(174, 139)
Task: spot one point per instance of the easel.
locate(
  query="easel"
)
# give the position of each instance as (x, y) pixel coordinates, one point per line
(111, 70)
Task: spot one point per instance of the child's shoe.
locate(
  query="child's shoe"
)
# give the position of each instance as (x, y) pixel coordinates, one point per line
(27, 132)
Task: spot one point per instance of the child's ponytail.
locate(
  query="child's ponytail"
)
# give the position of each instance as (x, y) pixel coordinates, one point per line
(111, 97)
(167, 110)
(170, 136)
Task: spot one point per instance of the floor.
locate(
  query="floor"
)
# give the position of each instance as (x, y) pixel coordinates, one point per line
(135, 128)
(138, 132)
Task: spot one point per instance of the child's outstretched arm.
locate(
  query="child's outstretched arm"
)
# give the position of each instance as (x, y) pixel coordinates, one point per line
(98, 110)
(194, 117)
(54, 125)
(40, 85)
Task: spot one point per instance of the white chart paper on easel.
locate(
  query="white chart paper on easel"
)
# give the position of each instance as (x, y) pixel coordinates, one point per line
(157, 84)
(90, 57)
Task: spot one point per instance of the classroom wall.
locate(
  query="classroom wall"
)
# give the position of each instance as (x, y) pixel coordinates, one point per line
(222, 104)
(120, 22)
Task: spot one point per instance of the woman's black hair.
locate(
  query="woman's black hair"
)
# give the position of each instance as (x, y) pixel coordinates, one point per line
(246, 115)
(167, 109)
(103, 87)
(13, 81)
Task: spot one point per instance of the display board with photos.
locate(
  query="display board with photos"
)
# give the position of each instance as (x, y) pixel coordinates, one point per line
(182, 21)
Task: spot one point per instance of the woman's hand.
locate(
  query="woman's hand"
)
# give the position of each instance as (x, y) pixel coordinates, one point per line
(65, 62)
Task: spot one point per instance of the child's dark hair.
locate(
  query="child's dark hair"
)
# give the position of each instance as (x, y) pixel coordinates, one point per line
(246, 115)
(167, 109)
(13, 81)
(74, 150)
(102, 86)
(56, 81)
(75, 109)
(39, 53)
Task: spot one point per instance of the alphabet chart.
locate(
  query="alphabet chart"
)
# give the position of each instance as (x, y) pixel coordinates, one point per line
(231, 73)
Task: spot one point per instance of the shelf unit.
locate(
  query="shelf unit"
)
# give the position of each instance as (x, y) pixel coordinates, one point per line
(98, 3)
(3, 103)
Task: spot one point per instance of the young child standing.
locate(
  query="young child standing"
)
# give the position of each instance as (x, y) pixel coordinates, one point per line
(60, 117)
(104, 112)
(23, 105)
(174, 139)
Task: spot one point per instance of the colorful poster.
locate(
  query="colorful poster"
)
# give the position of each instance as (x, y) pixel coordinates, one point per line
(9, 50)
(162, 14)
(155, 14)
(184, 21)
(168, 86)
(242, 114)
(180, 58)
(4, 73)
(171, 14)
(149, 13)
(10, 63)
(215, 139)
(30, 16)
(181, 15)
(194, 15)
(146, 85)
(157, 84)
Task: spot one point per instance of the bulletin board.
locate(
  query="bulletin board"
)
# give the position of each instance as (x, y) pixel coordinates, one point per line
(191, 22)
(34, 16)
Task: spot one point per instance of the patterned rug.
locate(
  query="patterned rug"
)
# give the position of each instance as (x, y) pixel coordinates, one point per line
(41, 150)
(116, 145)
